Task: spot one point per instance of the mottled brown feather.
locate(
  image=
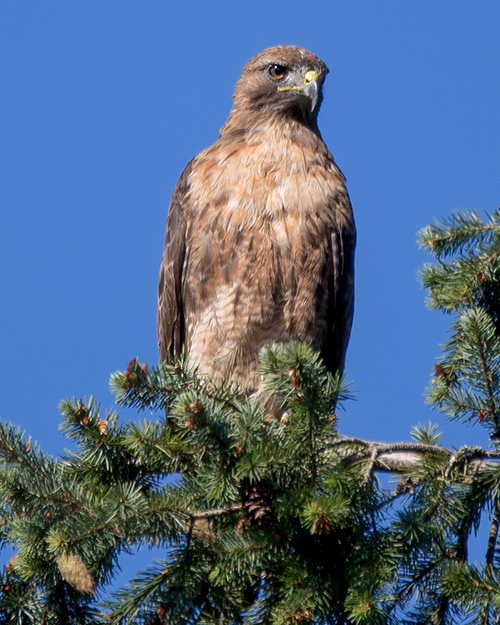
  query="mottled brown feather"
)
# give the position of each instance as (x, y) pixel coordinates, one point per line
(260, 235)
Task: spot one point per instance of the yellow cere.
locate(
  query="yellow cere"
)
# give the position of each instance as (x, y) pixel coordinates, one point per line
(310, 76)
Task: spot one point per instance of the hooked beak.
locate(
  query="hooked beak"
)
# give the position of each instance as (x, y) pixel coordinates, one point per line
(310, 88)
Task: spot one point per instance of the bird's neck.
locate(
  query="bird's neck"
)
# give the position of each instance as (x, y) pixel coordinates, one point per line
(294, 123)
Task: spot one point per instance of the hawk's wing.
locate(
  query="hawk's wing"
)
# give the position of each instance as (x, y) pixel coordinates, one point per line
(341, 290)
(170, 300)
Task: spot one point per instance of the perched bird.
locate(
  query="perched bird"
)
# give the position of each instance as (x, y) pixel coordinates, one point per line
(260, 234)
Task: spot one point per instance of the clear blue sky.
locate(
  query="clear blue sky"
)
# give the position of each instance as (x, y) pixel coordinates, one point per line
(103, 103)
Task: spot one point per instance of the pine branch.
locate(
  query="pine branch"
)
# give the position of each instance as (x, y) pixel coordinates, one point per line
(333, 545)
(462, 232)
(400, 458)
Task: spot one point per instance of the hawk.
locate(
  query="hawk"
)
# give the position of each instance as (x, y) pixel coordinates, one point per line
(260, 235)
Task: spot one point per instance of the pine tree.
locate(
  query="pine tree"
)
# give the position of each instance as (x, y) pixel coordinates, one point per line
(276, 521)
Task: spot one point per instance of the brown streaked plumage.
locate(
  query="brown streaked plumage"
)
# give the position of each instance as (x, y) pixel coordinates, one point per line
(260, 233)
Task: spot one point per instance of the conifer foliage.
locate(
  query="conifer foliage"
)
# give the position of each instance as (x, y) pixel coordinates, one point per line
(273, 519)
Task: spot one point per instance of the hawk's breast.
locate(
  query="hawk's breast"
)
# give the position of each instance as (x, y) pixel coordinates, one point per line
(257, 252)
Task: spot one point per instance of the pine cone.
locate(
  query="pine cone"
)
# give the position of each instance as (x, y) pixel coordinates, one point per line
(256, 500)
(76, 573)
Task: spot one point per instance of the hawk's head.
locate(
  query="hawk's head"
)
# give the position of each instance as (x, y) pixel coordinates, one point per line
(280, 79)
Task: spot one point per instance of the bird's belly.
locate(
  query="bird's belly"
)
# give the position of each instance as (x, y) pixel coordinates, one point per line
(225, 338)
(266, 292)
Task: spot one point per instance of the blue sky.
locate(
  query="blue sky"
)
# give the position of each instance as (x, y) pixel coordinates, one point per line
(103, 103)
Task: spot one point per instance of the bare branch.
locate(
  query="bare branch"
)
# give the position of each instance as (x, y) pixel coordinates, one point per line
(405, 457)
(212, 512)
(493, 536)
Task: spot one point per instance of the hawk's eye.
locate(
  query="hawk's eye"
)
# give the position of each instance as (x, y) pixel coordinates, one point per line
(278, 72)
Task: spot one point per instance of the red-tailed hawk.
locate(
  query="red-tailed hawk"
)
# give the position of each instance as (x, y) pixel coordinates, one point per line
(260, 233)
